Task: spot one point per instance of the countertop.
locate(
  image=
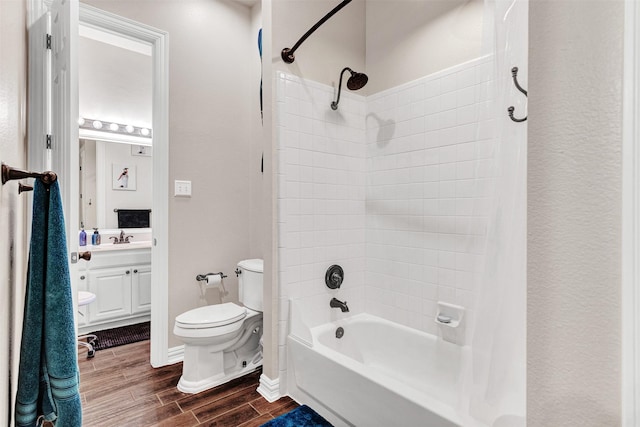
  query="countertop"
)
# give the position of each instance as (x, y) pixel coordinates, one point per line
(109, 246)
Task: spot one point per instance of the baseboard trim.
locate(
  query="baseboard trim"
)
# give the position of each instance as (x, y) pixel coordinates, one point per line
(269, 389)
(175, 354)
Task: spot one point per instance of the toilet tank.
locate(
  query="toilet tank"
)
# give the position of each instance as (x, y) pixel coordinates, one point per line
(250, 283)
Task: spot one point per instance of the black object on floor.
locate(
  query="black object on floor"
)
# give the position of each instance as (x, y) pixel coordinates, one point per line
(120, 336)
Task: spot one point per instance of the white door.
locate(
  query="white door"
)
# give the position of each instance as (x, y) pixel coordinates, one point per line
(64, 118)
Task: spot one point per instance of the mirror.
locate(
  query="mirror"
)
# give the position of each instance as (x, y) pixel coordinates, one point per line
(115, 147)
(105, 186)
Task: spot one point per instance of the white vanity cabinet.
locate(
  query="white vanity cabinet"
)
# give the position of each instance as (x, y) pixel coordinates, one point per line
(121, 281)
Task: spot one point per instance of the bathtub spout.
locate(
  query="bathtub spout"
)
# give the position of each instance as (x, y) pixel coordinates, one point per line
(336, 303)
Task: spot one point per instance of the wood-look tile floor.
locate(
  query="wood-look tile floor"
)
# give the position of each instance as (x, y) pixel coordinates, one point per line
(119, 388)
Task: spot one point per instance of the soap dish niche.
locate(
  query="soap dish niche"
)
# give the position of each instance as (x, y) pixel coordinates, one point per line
(449, 315)
(450, 321)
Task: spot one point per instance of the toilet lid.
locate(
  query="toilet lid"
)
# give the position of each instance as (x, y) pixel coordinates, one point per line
(211, 316)
(255, 265)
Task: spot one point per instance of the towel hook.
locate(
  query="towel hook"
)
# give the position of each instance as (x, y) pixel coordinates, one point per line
(514, 73)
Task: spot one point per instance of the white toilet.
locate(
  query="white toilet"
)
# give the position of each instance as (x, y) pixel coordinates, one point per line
(222, 342)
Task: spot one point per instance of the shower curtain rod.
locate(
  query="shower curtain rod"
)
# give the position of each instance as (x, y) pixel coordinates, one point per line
(288, 54)
(10, 173)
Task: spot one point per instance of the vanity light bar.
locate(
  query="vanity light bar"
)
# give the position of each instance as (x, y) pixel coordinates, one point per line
(115, 128)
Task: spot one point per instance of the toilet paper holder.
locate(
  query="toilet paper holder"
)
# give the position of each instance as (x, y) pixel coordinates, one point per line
(203, 277)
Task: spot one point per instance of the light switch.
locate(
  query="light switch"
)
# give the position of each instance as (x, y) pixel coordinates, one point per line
(182, 188)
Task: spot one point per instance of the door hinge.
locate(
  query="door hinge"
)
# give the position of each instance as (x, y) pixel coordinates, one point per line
(48, 41)
(48, 142)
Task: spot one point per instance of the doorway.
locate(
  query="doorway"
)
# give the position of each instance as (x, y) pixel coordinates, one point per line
(53, 109)
(145, 40)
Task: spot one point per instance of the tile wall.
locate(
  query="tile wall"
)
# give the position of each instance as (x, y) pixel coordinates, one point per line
(430, 178)
(321, 199)
(395, 187)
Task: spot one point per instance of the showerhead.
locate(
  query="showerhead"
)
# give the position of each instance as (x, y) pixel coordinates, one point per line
(355, 82)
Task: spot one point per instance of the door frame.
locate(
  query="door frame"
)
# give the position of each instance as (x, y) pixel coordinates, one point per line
(631, 219)
(159, 41)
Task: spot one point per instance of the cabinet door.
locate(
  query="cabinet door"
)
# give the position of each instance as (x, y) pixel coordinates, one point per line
(112, 287)
(141, 289)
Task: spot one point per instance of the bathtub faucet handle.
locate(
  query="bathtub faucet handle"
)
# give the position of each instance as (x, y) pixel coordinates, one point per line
(336, 303)
(334, 277)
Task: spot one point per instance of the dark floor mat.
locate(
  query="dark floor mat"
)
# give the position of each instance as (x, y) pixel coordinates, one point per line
(120, 336)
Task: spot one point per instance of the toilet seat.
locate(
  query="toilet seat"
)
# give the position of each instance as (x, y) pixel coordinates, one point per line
(211, 316)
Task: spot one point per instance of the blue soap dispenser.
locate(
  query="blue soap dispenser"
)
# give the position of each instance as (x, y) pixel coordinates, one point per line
(83, 236)
(95, 238)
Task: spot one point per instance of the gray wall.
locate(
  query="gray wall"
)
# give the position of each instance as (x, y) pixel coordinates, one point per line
(407, 40)
(338, 43)
(211, 52)
(574, 213)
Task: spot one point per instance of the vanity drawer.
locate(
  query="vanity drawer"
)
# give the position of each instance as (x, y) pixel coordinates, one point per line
(119, 258)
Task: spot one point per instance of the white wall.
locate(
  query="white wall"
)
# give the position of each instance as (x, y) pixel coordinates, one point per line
(574, 213)
(340, 42)
(321, 193)
(88, 190)
(13, 247)
(141, 198)
(406, 40)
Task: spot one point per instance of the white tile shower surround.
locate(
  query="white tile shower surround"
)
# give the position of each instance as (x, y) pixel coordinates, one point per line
(394, 187)
(322, 159)
(430, 177)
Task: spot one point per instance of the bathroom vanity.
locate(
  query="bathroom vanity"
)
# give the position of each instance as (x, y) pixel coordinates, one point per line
(120, 277)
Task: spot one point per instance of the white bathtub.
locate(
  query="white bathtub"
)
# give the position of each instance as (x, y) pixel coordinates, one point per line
(378, 374)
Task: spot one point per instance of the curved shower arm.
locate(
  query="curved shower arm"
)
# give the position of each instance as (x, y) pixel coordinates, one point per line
(334, 104)
(287, 54)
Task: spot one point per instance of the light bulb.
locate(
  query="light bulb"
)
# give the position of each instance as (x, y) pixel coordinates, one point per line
(129, 128)
(97, 124)
(81, 121)
(144, 131)
(114, 127)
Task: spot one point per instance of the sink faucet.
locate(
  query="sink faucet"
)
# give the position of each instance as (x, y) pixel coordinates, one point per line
(336, 303)
(121, 239)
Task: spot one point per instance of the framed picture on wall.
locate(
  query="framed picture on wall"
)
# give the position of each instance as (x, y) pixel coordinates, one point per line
(141, 150)
(124, 177)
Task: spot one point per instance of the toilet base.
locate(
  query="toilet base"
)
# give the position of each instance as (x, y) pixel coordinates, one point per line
(207, 366)
(192, 387)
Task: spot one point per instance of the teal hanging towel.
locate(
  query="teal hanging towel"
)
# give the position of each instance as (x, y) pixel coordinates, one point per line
(48, 380)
